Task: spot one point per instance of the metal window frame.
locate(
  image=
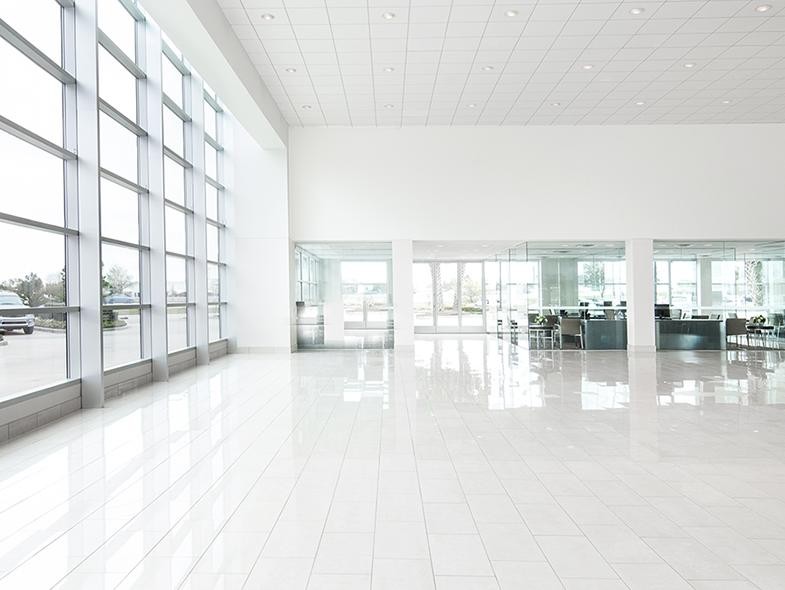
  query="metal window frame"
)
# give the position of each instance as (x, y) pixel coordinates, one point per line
(34, 139)
(81, 38)
(213, 143)
(175, 108)
(34, 54)
(214, 183)
(120, 118)
(177, 158)
(122, 181)
(129, 64)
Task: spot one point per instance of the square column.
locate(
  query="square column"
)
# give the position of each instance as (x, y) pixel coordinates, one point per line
(403, 292)
(640, 295)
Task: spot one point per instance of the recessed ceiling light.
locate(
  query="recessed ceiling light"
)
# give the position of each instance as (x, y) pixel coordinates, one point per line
(511, 13)
(291, 70)
(637, 10)
(487, 68)
(587, 66)
(388, 70)
(472, 106)
(268, 16)
(763, 8)
(440, 245)
(388, 15)
(555, 104)
(725, 102)
(485, 245)
(689, 65)
(389, 106)
(640, 103)
(307, 107)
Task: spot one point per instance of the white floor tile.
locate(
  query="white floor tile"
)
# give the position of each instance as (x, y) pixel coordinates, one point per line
(464, 463)
(513, 575)
(649, 576)
(574, 557)
(400, 540)
(459, 555)
(509, 542)
(344, 553)
(449, 518)
(394, 574)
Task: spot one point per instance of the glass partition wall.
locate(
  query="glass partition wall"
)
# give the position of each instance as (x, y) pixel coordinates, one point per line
(582, 280)
(737, 285)
(343, 295)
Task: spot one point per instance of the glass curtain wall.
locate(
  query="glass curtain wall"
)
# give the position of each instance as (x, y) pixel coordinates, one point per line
(121, 150)
(39, 230)
(216, 214)
(40, 205)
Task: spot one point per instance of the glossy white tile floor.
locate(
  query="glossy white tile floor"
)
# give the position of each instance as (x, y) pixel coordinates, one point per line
(464, 465)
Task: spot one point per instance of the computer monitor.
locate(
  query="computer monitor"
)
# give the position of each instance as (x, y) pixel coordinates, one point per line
(662, 311)
(607, 303)
(622, 303)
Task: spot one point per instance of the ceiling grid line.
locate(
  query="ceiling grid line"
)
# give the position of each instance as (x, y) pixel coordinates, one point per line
(429, 50)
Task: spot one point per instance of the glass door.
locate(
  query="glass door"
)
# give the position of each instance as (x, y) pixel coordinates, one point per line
(447, 296)
(366, 303)
(470, 281)
(424, 316)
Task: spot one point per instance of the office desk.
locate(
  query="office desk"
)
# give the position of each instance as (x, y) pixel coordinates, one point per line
(690, 334)
(604, 334)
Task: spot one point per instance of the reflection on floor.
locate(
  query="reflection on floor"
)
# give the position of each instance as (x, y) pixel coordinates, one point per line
(465, 463)
(313, 337)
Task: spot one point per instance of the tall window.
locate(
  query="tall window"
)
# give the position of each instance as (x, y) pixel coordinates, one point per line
(121, 187)
(38, 225)
(215, 212)
(602, 280)
(677, 283)
(47, 191)
(179, 199)
(307, 272)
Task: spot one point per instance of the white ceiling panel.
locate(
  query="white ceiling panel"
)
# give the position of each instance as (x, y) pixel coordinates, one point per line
(517, 62)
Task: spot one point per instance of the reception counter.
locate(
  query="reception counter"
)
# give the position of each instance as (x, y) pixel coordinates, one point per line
(690, 334)
(604, 334)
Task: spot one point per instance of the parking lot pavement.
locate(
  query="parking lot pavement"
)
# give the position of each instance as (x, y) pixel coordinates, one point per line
(30, 361)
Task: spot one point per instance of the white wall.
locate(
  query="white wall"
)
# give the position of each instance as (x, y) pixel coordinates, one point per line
(522, 183)
(260, 301)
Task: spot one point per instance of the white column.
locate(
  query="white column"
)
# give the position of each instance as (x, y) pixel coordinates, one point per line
(153, 122)
(640, 295)
(403, 292)
(89, 211)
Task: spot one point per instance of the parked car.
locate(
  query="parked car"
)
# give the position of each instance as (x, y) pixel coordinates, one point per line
(15, 320)
(119, 299)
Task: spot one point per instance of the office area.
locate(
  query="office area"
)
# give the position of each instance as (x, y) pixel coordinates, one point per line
(323, 295)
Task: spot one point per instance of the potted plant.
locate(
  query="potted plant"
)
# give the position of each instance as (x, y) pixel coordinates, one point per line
(758, 320)
(540, 320)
